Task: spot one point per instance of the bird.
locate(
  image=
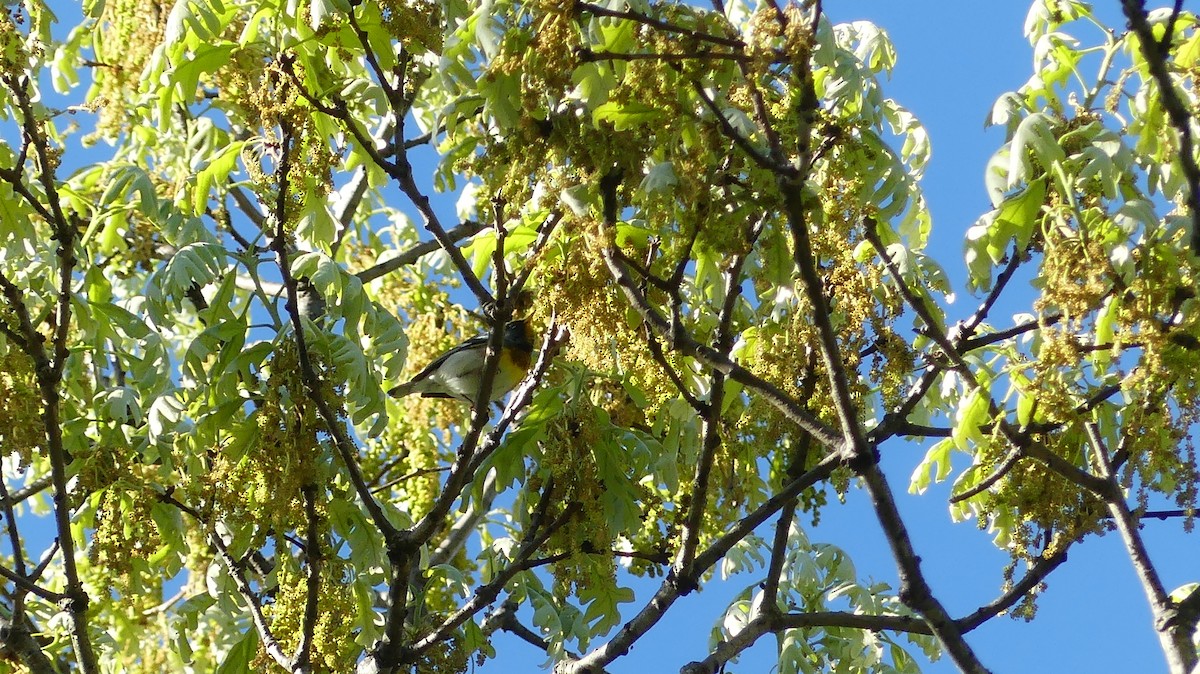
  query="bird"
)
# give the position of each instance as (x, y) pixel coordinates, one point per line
(456, 374)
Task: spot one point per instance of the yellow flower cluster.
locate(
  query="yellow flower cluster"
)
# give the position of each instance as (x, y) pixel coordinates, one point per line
(333, 647)
(259, 86)
(21, 429)
(128, 33)
(413, 22)
(13, 58)
(125, 531)
(577, 288)
(1043, 503)
(1072, 288)
(264, 484)
(567, 455)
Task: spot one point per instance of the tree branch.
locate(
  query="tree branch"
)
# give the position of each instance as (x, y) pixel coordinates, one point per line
(770, 623)
(711, 411)
(18, 575)
(677, 340)
(49, 368)
(1176, 643)
(783, 529)
(313, 558)
(1037, 573)
(1156, 53)
(19, 639)
(1020, 445)
(505, 618)
(589, 56)
(345, 446)
(731, 133)
(24, 584)
(863, 458)
(888, 425)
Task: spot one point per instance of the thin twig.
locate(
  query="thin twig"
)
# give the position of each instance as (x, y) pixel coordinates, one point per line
(644, 19)
(18, 552)
(406, 477)
(267, 638)
(457, 534)
(589, 56)
(768, 622)
(25, 585)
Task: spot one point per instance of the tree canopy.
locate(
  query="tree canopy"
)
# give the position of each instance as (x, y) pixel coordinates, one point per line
(230, 227)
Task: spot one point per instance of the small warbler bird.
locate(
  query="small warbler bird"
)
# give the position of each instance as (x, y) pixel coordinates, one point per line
(457, 373)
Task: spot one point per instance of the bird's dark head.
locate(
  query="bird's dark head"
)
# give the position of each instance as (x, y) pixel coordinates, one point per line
(518, 334)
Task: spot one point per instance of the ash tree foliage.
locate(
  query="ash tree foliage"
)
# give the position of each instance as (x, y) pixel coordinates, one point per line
(229, 227)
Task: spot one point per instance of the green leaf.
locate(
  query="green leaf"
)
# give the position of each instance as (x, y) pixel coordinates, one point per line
(934, 467)
(181, 14)
(225, 337)
(1026, 403)
(170, 525)
(121, 404)
(661, 176)
(578, 199)
(626, 115)
(186, 75)
(215, 172)
(1034, 134)
(618, 36)
(603, 612)
(971, 416)
(502, 96)
(631, 234)
(479, 251)
(321, 271)
(165, 415)
(1018, 213)
(195, 264)
(237, 661)
(348, 521)
(977, 255)
(118, 317)
(1106, 324)
(318, 10)
(519, 239)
